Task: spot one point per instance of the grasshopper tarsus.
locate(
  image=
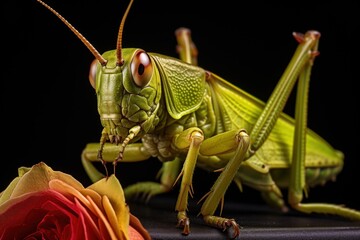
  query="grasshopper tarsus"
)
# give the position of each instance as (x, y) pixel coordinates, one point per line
(106, 170)
(232, 229)
(114, 166)
(185, 224)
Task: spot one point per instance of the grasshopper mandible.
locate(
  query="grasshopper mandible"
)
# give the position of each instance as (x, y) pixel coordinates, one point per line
(152, 105)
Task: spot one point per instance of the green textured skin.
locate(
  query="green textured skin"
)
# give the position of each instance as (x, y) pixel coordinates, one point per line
(179, 97)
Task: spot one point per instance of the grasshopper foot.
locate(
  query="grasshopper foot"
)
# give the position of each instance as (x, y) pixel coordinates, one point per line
(184, 222)
(233, 229)
(229, 225)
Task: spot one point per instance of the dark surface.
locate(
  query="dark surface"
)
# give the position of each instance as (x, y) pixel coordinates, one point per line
(257, 221)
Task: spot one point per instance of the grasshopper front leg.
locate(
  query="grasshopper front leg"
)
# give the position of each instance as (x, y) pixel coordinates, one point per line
(134, 152)
(189, 140)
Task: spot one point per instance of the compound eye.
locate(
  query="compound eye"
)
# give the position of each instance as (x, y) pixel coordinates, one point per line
(92, 73)
(141, 68)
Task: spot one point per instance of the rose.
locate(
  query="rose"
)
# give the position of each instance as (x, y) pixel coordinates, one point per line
(46, 204)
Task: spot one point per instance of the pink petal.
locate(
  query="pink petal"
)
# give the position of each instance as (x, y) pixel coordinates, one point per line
(91, 230)
(103, 219)
(46, 213)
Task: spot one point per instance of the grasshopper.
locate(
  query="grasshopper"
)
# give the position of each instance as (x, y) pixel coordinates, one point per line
(152, 105)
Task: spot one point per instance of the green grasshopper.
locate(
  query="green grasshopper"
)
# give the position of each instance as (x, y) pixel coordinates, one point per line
(152, 105)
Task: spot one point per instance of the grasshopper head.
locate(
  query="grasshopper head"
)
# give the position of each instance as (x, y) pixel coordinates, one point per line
(128, 95)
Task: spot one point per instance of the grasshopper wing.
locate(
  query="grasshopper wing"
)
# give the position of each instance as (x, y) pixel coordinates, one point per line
(237, 109)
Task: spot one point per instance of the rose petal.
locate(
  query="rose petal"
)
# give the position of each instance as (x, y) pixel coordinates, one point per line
(135, 235)
(103, 218)
(52, 224)
(73, 211)
(38, 177)
(110, 224)
(93, 195)
(91, 230)
(121, 229)
(49, 202)
(5, 195)
(68, 191)
(136, 225)
(111, 188)
(22, 208)
(23, 170)
(19, 230)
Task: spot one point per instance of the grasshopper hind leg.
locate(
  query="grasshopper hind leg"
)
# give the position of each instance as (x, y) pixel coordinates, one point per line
(146, 190)
(254, 174)
(186, 48)
(273, 200)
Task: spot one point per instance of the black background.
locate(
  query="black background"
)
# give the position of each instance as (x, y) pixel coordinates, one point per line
(48, 108)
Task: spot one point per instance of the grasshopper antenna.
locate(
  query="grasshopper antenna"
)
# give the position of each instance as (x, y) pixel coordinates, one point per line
(78, 34)
(120, 60)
